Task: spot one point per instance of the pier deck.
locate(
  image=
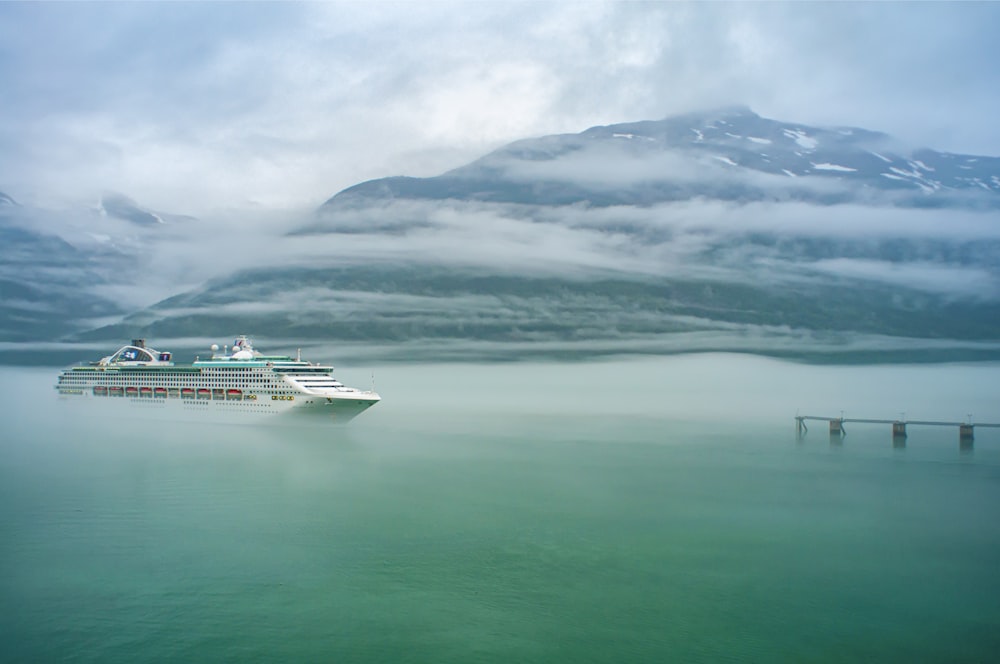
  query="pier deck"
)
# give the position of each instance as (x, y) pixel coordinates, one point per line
(965, 429)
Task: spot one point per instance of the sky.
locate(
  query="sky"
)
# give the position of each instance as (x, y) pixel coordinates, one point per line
(194, 107)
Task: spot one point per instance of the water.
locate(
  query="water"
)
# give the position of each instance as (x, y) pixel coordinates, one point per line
(632, 510)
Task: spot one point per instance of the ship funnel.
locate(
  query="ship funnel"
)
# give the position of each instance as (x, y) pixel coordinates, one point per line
(139, 343)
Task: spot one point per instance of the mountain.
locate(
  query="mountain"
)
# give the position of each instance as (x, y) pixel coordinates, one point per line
(45, 282)
(718, 231)
(123, 207)
(420, 312)
(730, 154)
(62, 270)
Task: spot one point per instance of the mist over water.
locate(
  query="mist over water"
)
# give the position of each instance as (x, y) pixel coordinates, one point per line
(645, 509)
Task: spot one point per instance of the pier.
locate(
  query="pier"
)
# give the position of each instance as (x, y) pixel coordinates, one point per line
(966, 430)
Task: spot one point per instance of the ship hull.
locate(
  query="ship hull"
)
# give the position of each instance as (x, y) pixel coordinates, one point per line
(305, 409)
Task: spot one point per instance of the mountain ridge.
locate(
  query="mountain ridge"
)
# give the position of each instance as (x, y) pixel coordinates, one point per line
(754, 159)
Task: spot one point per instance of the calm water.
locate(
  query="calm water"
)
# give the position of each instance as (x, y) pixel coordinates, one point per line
(639, 510)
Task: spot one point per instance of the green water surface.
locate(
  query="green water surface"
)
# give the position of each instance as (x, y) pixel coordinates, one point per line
(492, 536)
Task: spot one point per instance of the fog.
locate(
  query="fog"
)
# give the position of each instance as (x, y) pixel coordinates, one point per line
(708, 390)
(698, 239)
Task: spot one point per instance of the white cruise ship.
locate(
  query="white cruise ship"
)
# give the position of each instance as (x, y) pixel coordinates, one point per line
(239, 382)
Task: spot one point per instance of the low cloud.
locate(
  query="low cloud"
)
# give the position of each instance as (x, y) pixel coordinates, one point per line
(951, 280)
(931, 250)
(942, 252)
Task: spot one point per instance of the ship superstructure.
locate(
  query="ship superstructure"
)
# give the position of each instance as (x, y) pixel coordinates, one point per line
(240, 380)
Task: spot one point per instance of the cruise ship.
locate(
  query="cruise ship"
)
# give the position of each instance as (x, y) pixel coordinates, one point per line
(240, 382)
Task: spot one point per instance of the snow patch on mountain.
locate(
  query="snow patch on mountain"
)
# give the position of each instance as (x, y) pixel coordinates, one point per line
(900, 171)
(801, 138)
(834, 167)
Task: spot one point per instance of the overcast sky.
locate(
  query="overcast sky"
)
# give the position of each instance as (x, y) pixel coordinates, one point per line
(189, 107)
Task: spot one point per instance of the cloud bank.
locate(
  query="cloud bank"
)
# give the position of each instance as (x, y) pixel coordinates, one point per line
(195, 107)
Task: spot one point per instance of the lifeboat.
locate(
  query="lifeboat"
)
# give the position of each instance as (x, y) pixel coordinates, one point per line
(116, 391)
(204, 393)
(160, 392)
(234, 395)
(132, 391)
(145, 391)
(100, 391)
